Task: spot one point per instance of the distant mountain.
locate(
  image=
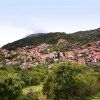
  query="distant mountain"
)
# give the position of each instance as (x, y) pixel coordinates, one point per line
(75, 39)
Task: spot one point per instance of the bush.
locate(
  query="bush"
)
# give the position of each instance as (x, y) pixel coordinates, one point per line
(35, 79)
(25, 76)
(90, 86)
(10, 86)
(69, 82)
(98, 76)
(32, 77)
(40, 68)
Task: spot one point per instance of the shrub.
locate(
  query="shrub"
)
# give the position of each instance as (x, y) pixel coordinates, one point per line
(32, 77)
(10, 86)
(69, 82)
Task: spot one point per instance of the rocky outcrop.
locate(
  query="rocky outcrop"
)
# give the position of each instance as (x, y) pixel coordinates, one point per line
(62, 42)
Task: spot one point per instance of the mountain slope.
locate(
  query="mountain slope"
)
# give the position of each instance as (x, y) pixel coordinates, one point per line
(84, 37)
(36, 39)
(75, 39)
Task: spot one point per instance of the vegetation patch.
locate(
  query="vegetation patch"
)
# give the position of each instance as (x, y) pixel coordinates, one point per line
(36, 88)
(96, 96)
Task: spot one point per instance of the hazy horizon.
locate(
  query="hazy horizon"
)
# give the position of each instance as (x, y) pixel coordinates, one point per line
(23, 17)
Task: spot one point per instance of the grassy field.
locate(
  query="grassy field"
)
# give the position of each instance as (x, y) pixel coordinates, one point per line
(36, 88)
(94, 97)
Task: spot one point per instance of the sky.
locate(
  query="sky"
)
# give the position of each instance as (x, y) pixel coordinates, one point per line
(19, 18)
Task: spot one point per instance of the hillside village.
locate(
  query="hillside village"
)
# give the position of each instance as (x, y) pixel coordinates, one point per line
(31, 56)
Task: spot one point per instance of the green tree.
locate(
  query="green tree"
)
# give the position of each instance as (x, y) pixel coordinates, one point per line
(10, 86)
(32, 77)
(65, 82)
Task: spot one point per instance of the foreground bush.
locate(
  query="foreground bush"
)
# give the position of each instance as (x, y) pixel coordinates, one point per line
(32, 77)
(69, 82)
(10, 86)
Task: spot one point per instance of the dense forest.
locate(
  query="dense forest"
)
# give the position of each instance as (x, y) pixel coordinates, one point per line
(75, 39)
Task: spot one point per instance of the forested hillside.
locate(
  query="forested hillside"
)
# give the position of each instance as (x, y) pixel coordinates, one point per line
(75, 39)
